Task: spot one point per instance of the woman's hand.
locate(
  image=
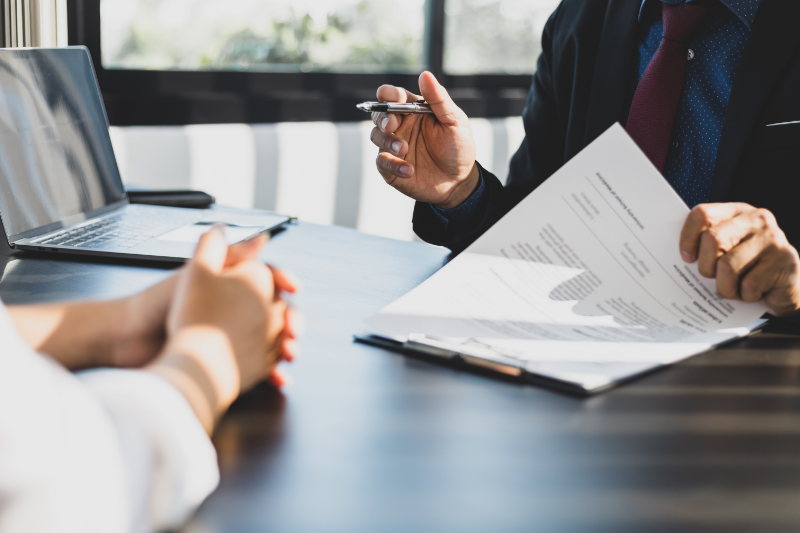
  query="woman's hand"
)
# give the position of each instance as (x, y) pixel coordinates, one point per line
(130, 332)
(226, 327)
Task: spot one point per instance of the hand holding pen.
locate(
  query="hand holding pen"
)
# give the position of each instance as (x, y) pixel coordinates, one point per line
(418, 107)
(429, 156)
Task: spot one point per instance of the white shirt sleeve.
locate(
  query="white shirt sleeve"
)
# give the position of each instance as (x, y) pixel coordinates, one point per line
(172, 464)
(108, 451)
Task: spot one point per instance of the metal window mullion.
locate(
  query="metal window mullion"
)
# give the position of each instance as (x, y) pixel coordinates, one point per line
(27, 23)
(434, 36)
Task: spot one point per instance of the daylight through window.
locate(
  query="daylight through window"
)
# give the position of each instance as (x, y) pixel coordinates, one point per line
(494, 36)
(263, 35)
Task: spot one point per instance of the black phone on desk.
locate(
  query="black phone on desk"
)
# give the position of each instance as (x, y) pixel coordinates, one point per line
(172, 198)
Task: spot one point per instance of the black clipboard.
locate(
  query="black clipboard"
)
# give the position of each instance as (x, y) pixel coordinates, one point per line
(509, 369)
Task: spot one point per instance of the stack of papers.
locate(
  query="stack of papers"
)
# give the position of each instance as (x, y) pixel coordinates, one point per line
(581, 283)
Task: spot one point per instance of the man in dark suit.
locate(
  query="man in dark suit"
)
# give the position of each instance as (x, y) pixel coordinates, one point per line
(709, 89)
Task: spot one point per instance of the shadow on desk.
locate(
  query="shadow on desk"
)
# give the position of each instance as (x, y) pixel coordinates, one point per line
(251, 435)
(5, 249)
(782, 326)
(86, 259)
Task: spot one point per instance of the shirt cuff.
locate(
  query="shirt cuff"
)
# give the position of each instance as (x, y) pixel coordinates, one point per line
(171, 462)
(463, 218)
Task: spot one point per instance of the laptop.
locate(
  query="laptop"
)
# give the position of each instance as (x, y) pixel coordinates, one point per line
(60, 187)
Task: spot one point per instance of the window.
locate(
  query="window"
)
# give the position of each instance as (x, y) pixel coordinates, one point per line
(263, 36)
(494, 36)
(163, 62)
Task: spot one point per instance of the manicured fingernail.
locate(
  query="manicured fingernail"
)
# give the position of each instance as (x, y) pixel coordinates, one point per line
(384, 122)
(288, 351)
(686, 257)
(405, 170)
(276, 379)
(396, 146)
(294, 348)
(288, 381)
(294, 280)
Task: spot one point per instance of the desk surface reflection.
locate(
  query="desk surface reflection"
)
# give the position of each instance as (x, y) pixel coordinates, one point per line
(367, 440)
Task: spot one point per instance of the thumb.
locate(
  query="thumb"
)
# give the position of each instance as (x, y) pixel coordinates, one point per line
(246, 250)
(437, 97)
(212, 250)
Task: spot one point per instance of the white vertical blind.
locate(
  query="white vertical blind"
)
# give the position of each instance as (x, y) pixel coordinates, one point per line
(319, 171)
(34, 23)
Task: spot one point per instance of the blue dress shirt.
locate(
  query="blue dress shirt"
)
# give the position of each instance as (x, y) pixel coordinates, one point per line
(717, 52)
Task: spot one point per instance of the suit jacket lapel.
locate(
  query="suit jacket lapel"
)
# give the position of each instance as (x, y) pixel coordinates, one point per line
(772, 43)
(611, 84)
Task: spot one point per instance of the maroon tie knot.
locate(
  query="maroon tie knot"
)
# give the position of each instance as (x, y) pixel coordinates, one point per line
(681, 20)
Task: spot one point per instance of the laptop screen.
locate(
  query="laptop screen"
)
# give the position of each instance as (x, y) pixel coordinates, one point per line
(57, 165)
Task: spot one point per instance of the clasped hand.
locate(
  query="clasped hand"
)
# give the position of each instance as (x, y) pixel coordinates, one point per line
(214, 329)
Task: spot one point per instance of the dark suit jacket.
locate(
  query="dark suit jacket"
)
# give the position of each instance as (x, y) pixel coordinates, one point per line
(583, 86)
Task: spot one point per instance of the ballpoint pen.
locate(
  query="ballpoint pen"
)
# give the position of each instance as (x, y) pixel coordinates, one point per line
(392, 107)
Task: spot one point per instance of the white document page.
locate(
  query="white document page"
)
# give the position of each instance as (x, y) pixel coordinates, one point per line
(193, 232)
(581, 282)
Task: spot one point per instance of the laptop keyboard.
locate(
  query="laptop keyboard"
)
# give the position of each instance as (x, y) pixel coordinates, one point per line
(120, 231)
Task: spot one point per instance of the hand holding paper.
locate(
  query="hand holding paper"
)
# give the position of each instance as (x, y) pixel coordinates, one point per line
(582, 282)
(746, 252)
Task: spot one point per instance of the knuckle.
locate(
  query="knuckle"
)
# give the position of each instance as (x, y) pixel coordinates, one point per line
(750, 290)
(770, 235)
(713, 238)
(786, 256)
(791, 254)
(382, 90)
(727, 279)
(726, 267)
(751, 298)
(766, 219)
(374, 136)
(380, 163)
(702, 213)
(385, 164)
(777, 237)
(726, 290)
(706, 271)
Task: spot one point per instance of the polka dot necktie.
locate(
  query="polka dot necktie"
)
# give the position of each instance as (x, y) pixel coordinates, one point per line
(656, 100)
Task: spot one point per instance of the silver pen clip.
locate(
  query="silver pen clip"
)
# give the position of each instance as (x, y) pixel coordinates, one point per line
(412, 108)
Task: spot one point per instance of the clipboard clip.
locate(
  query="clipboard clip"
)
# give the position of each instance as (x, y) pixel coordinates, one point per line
(471, 352)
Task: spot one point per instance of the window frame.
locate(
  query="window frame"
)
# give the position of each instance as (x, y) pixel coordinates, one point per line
(163, 97)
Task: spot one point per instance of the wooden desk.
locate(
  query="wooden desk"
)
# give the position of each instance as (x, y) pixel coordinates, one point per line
(370, 441)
